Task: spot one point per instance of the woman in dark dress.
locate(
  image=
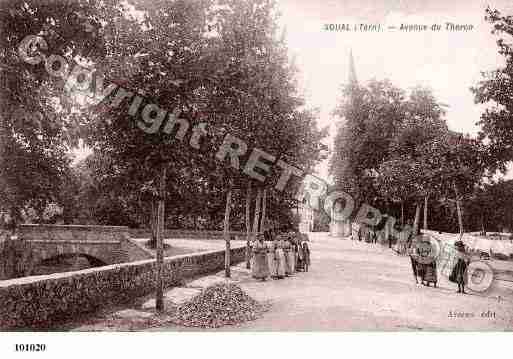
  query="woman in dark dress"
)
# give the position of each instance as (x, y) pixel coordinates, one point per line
(459, 272)
(299, 256)
(428, 259)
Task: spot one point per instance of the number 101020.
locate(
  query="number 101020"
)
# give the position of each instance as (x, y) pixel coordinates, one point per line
(30, 347)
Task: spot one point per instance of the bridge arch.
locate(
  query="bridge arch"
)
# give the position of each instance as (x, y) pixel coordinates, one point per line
(53, 254)
(65, 262)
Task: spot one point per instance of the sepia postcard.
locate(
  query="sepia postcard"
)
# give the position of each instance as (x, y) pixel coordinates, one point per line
(282, 166)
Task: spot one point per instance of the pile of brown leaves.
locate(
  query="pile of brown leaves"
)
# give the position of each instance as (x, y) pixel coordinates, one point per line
(218, 305)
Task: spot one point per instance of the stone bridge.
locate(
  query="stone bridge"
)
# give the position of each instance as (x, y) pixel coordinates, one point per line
(101, 245)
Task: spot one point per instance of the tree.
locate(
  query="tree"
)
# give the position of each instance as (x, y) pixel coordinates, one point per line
(369, 116)
(492, 204)
(422, 124)
(378, 153)
(399, 180)
(495, 91)
(36, 130)
(178, 77)
(457, 162)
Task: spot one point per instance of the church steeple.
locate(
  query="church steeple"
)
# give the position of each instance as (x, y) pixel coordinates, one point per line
(352, 72)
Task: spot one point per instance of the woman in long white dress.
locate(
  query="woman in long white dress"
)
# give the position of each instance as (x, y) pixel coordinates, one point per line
(285, 244)
(260, 266)
(280, 259)
(292, 256)
(271, 259)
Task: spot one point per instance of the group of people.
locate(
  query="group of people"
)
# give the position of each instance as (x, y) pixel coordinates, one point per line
(424, 263)
(366, 234)
(279, 255)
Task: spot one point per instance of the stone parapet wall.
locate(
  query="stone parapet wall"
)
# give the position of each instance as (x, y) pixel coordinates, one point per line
(188, 234)
(42, 301)
(57, 232)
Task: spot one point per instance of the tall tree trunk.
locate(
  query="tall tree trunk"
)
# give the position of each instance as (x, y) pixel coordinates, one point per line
(426, 212)
(264, 207)
(248, 224)
(459, 209)
(15, 214)
(159, 300)
(153, 223)
(227, 253)
(256, 220)
(460, 217)
(417, 219)
(402, 214)
(388, 234)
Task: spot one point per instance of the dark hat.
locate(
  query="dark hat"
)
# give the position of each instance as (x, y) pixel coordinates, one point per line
(459, 244)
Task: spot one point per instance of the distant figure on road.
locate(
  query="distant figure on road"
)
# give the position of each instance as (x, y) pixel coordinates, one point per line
(260, 265)
(300, 258)
(306, 255)
(374, 236)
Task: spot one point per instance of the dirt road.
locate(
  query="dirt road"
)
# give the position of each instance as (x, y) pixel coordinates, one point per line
(357, 286)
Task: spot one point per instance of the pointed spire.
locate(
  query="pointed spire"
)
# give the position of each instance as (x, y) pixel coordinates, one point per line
(352, 72)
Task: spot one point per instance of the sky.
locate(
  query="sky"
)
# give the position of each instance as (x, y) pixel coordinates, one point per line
(448, 62)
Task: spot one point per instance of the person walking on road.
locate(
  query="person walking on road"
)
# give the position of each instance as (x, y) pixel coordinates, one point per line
(300, 259)
(260, 265)
(306, 255)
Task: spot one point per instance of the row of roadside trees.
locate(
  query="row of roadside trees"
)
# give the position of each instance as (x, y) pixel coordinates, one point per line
(221, 66)
(395, 151)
